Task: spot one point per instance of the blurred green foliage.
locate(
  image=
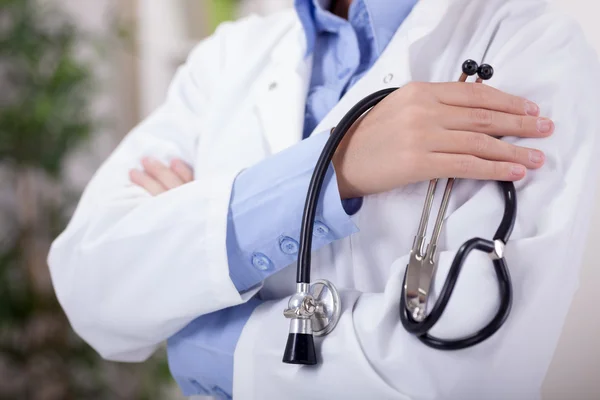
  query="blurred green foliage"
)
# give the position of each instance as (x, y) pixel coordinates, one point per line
(220, 11)
(44, 111)
(46, 89)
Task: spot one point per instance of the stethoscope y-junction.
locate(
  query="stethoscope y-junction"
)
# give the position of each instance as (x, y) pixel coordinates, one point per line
(315, 308)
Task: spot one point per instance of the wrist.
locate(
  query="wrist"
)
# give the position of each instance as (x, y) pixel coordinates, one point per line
(345, 186)
(343, 166)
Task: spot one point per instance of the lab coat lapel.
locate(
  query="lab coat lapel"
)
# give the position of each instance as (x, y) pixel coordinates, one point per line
(282, 99)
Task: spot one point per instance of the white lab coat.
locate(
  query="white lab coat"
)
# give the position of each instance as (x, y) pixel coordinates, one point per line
(131, 270)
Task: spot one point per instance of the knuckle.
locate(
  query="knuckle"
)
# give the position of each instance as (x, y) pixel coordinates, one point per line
(153, 167)
(479, 143)
(134, 178)
(482, 117)
(479, 93)
(497, 170)
(414, 89)
(162, 173)
(521, 123)
(514, 154)
(412, 140)
(516, 105)
(465, 165)
(410, 163)
(414, 115)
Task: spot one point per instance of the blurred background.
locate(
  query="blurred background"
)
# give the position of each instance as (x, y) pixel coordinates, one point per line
(75, 77)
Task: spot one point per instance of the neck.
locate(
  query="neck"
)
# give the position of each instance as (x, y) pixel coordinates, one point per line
(341, 7)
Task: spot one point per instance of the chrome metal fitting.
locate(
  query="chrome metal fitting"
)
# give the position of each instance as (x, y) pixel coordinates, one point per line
(498, 252)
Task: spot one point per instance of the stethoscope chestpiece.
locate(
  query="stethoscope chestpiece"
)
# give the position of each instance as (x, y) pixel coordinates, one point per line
(314, 310)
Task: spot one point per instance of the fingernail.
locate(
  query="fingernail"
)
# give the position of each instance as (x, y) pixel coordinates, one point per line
(518, 171)
(532, 109)
(536, 157)
(545, 125)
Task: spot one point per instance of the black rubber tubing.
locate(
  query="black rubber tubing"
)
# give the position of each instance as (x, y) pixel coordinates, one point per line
(420, 329)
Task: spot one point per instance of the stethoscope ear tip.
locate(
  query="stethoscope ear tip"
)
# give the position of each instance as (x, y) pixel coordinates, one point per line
(485, 72)
(470, 67)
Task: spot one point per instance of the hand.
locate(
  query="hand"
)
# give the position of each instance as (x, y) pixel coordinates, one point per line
(439, 130)
(157, 178)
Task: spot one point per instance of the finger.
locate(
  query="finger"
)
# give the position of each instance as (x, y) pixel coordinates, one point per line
(183, 171)
(494, 123)
(475, 95)
(471, 167)
(145, 181)
(488, 148)
(161, 173)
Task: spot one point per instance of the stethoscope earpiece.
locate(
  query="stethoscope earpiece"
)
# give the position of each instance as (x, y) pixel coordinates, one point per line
(470, 67)
(485, 72)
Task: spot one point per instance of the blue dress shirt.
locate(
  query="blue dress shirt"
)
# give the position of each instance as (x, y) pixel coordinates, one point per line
(262, 237)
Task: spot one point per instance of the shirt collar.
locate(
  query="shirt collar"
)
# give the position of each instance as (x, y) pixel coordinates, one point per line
(385, 19)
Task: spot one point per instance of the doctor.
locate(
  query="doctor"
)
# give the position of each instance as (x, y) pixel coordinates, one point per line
(187, 231)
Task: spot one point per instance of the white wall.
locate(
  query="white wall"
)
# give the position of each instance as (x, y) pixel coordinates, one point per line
(575, 371)
(162, 45)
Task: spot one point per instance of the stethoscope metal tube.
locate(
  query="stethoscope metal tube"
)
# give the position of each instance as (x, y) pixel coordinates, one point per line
(315, 308)
(420, 326)
(421, 269)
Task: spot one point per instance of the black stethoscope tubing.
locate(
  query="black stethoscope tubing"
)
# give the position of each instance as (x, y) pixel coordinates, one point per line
(316, 183)
(419, 329)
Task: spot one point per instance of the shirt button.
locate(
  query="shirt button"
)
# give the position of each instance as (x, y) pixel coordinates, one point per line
(288, 245)
(320, 229)
(261, 262)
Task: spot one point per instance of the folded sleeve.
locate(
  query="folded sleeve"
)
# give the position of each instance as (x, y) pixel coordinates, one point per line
(370, 355)
(261, 239)
(130, 270)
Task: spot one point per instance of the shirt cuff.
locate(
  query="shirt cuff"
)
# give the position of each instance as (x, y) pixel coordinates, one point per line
(266, 210)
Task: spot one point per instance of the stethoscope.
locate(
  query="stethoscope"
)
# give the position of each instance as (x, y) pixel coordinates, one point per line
(315, 308)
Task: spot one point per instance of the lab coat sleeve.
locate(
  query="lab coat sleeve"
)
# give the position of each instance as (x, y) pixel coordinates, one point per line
(370, 355)
(130, 269)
